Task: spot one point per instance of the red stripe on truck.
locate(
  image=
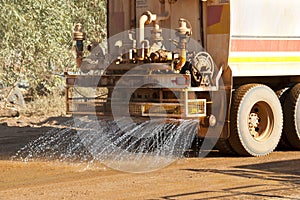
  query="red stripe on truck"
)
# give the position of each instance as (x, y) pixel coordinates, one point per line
(251, 45)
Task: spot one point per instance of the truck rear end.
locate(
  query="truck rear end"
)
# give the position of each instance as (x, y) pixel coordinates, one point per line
(157, 62)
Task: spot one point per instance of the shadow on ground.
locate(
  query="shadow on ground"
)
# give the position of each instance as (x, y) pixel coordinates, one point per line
(17, 134)
(286, 171)
(276, 177)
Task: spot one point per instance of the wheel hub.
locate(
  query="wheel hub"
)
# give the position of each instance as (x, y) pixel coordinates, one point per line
(253, 124)
(260, 121)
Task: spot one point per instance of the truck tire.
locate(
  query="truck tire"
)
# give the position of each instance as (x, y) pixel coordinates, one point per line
(224, 147)
(256, 120)
(281, 94)
(291, 107)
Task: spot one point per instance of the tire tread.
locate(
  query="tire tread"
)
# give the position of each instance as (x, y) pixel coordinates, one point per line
(235, 138)
(289, 130)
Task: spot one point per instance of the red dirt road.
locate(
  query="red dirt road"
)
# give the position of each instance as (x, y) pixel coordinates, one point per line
(276, 176)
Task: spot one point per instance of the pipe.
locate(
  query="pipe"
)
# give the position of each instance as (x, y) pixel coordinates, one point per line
(79, 36)
(145, 19)
(147, 43)
(182, 59)
(184, 34)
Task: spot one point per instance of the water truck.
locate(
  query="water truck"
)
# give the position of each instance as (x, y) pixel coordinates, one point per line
(234, 65)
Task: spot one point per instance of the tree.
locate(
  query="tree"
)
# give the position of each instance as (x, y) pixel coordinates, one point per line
(37, 41)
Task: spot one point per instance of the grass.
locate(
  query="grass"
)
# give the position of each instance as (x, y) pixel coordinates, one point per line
(51, 105)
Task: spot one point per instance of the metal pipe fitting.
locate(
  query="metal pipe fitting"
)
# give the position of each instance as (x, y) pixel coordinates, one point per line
(145, 19)
(184, 33)
(79, 36)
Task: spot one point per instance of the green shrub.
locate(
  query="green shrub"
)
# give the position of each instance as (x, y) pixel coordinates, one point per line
(36, 39)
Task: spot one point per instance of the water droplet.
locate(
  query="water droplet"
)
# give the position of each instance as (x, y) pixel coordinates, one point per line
(118, 144)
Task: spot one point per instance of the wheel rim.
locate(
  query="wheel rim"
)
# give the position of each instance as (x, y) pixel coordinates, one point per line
(260, 121)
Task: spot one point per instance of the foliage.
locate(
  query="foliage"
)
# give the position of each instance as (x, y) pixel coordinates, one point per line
(52, 104)
(92, 15)
(36, 38)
